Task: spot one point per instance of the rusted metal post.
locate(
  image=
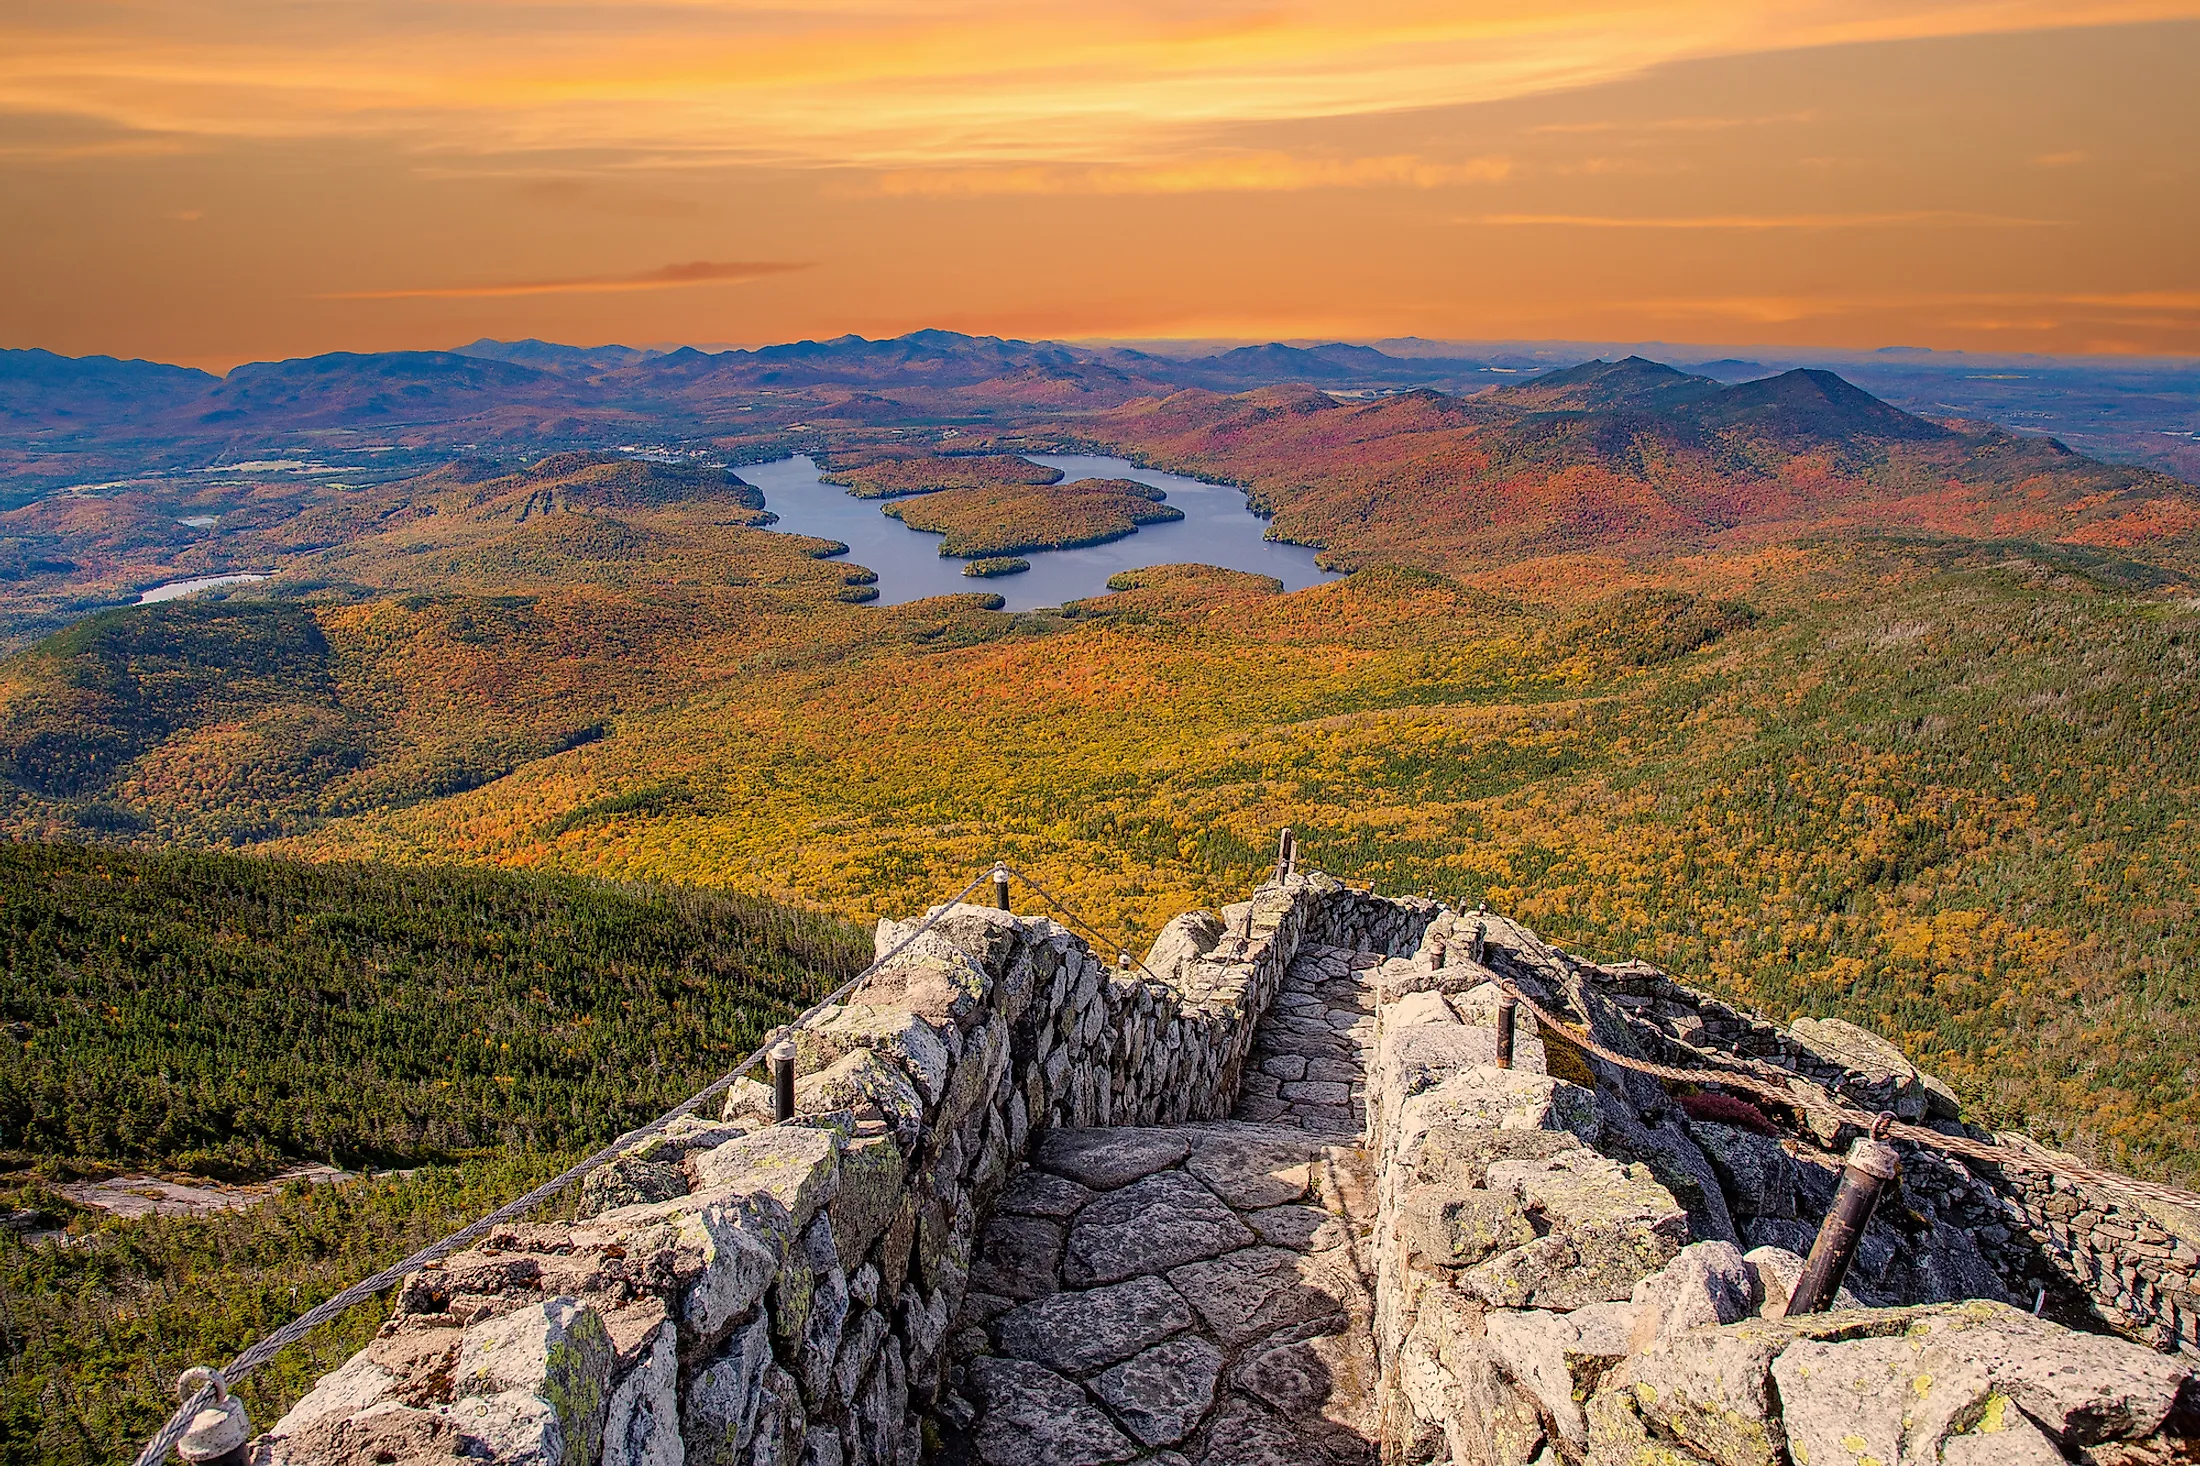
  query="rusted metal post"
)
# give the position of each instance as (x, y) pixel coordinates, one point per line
(783, 1056)
(1869, 1166)
(1000, 886)
(1436, 958)
(1283, 855)
(1507, 1017)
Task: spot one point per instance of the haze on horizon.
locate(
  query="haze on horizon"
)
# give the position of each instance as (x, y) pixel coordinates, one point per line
(211, 181)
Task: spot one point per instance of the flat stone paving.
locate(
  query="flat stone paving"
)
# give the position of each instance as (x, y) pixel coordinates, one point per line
(1196, 1295)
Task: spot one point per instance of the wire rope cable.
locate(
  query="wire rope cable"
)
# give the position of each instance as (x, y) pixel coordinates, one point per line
(1796, 1095)
(1077, 922)
(157, 1449)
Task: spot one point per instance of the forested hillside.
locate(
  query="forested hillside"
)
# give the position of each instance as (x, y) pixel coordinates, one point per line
(1828, 707)
(448, 629)
(1947, 790)
(98, 1326)
(1643, 599)
(231, 1016)
(1632, 459)
(228, 1015)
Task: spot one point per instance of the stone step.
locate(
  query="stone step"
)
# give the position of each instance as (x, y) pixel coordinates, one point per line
(1310, 1051)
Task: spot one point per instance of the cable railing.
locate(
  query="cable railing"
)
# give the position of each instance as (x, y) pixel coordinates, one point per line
(1882, 1126)
(203, 1387)
(213, 1385)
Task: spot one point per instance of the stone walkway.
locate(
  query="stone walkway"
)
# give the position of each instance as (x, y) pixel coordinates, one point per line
(1198, 1295)
(1310, 1053)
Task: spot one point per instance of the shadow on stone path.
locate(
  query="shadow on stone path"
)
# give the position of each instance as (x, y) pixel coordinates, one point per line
(1196, 1295)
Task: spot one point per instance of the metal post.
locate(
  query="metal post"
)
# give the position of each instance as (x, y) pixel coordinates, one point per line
(1507, 1016)
(1436, 958)
(1481, 943)
(1870, 1165)
(1123, 961)
(783, 1056)
(1283, 855)
(1000, 886)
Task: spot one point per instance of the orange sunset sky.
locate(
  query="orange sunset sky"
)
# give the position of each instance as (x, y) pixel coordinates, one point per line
(212, 181)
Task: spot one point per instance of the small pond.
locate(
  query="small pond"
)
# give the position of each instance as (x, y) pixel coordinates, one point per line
(177, 589)
(1217, 529)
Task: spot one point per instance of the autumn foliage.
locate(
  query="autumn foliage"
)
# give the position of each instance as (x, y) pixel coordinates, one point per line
(889, 473)
(1010, 520)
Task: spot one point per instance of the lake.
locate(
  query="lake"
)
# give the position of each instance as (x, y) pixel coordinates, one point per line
(177, 589)
(1217, 529)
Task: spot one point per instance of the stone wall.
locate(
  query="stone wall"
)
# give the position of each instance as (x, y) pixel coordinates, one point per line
(2131, 1265)
(1567, 1261)
(2088, 1255)
(738, 1291)
(1572, 1265)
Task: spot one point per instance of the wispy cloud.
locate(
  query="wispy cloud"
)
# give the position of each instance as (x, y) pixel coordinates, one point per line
(1672, 124)
(665, 277)
(924, 82)
(146, 145)
(1247, 173)
(2165, 300)
(1940, 217)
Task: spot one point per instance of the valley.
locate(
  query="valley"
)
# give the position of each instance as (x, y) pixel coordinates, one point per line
(1771, 681)
(1838, 710)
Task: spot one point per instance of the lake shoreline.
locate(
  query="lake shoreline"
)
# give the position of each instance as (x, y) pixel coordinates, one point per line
(1220, 527)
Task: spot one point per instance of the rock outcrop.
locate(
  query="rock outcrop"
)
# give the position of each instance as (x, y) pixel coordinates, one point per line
(739, 1291)
(1560, 1263)
(1269, 1199)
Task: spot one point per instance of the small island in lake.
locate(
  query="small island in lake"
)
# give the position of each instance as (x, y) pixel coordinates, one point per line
(994, 565)
(1011, 519)
(897, 473)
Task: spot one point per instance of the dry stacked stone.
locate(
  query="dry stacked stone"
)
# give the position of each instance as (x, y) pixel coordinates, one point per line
(1266, 1198)
(1572, 1265)
(739, 1291)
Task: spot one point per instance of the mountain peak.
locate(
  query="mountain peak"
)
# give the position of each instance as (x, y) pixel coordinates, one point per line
(1810, 402)
(1632, 381)
(553, 355)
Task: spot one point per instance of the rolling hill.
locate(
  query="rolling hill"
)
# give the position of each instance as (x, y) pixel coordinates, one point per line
(1844, 710)
(1631, 459)
(1581, 667)
(374, 417)
(542, 393)
(40, 391)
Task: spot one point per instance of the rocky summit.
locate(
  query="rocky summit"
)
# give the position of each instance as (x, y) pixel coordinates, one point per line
(1269, 1197)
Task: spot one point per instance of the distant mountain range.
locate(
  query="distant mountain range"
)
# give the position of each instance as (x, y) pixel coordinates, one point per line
(67, 421)
(1794, 407)
(39, 389)
(847, 359)
(56, 396)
